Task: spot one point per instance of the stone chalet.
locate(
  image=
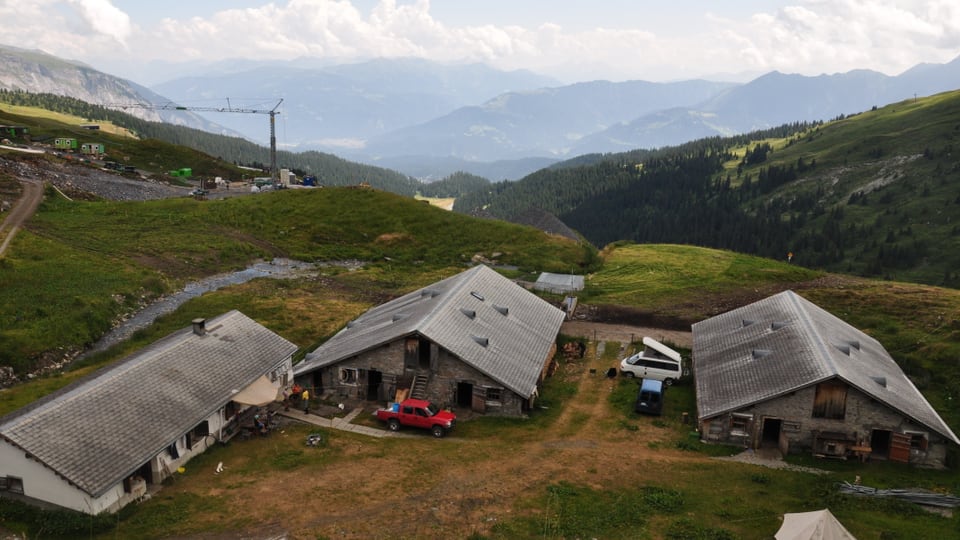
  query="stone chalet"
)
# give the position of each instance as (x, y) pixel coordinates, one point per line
(475, 341)
(784, 372)
(96, 445)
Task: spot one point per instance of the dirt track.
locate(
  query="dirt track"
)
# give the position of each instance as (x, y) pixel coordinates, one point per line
(624, 333)
(21, 211)
(461, 485)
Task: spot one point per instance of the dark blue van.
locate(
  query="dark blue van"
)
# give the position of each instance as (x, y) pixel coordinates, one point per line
(650, 397)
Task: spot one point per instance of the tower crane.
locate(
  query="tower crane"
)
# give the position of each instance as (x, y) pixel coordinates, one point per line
(170, 106)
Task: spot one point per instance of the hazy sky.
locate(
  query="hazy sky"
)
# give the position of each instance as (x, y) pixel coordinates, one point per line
(572, 40)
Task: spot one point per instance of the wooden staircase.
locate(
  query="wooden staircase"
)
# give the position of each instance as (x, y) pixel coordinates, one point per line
(418, 389)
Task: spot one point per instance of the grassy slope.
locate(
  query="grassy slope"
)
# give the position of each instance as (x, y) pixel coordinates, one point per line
(199, 237)
(81, 264)
(901, 157)
(37, 118)
(148, 155)
(663, 277)
(904, 128)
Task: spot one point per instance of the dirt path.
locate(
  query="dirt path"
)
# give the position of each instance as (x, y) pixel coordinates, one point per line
(21, 212)
(625, 333)
(452, 488)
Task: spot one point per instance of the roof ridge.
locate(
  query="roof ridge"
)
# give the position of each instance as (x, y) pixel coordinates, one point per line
(814, 336)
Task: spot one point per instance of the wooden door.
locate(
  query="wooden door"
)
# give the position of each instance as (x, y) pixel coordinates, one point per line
(479, 399)
(899, 447)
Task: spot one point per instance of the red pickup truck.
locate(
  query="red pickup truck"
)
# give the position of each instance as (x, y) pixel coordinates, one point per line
(418, 413)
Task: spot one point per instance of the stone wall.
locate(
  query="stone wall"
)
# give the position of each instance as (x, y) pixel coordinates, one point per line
(397, 369)
(863, 415)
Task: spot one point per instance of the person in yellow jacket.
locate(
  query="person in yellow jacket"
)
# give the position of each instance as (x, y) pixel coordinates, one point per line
(305, 396)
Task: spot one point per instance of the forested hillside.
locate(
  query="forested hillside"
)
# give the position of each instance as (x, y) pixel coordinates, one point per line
(455, 185)
(874, 194)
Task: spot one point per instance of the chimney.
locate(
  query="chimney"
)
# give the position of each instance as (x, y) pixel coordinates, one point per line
(199, 326)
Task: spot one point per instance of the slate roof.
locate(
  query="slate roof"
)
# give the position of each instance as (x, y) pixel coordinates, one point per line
(479, 316)
(785, 342)
(99, 430)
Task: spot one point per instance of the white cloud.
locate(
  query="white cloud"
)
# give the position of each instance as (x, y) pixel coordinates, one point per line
(804, 36)
(85, 30)
(839, 35)
(104, 18)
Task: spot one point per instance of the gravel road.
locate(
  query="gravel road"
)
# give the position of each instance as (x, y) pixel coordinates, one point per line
(76, 178)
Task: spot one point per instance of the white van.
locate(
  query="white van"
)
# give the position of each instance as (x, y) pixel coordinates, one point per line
(656, 361)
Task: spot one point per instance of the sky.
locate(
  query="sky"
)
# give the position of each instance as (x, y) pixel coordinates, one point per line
(571, 40)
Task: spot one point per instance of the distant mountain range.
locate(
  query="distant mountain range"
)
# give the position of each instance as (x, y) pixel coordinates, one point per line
(874, 194)
(38, 72)
(603, 117)
(547, 122)
(336, 108)
(428, 120)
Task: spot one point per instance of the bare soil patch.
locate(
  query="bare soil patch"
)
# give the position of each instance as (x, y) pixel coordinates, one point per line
(451, 488)
(625, 333)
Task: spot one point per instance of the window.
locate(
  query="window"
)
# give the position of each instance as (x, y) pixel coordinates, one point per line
(279, 374)
(788, 426)
(230, 410)
(200, 431)
(666, 366)
(13, 484)
(918, 441)
(716, 427)
(494, 394)
(830, 400)
(739, 424)
(348, 376)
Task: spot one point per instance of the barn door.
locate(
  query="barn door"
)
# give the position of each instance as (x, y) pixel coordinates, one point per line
(480, 399)
(899, 447)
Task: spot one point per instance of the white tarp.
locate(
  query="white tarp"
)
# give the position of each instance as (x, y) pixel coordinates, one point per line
(817, 525)
(558, 283)
(261, 392)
